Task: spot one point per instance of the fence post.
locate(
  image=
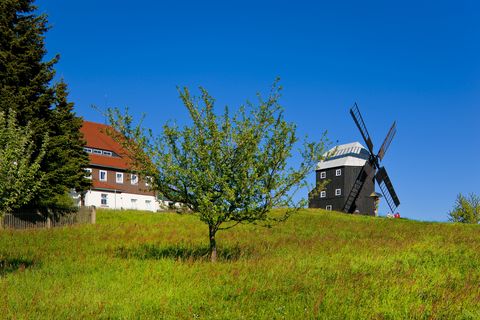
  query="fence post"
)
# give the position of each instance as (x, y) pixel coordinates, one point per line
(49, 223)
(93, 215)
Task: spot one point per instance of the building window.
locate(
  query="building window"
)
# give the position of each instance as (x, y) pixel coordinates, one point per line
(329, 207)
(133, 179)
(102, 175)
(338, 172)
(119, 177)
(103, 199)
(134, 203)
(88, 173)
(323, 194)
(96, 151)
(148, 204)
(89, 150)
(148, 181)
(323, 175)
(107, 153)
(338, 192)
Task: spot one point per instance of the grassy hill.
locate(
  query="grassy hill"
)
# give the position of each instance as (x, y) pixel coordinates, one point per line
(316, 265)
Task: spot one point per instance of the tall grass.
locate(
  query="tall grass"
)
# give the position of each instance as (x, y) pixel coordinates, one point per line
(317, 265)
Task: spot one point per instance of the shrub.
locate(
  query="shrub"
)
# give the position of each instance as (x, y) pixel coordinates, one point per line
(466, 209)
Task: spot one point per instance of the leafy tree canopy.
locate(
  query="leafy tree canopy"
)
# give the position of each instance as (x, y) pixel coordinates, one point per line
(227, 169)
(26, 88)
(20, 175)
(466, 209)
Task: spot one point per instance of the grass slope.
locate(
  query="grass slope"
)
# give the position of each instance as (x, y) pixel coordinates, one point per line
(318, 265)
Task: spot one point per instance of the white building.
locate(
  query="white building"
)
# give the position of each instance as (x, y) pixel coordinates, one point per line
(114, 186)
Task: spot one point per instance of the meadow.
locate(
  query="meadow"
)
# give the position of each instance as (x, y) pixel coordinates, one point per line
(317, 265)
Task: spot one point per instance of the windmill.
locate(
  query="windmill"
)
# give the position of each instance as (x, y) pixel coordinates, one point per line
(372, 167)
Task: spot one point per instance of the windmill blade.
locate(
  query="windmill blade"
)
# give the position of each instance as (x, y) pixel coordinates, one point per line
(357, 117)
(388, 140)
(387, 189)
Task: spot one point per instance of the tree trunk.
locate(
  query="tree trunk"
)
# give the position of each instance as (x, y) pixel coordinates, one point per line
(213, 244)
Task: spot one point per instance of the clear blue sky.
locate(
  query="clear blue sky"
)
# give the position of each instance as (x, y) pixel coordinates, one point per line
(416, 62)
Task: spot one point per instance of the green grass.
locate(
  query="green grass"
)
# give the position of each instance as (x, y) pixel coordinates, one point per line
(317, 265)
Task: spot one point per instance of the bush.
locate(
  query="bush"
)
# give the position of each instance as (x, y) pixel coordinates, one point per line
(466, 209)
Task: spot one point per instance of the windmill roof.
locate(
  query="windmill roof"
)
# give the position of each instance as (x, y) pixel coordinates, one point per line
(346, 155)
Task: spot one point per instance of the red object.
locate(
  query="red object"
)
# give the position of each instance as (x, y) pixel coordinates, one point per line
(397, 215)
(95, 135)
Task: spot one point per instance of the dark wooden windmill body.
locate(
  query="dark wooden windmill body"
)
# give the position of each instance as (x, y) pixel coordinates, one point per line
(351, 171)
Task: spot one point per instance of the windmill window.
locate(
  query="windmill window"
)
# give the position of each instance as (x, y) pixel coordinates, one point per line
(323, 194)
(102, 175)
(338, 192)
(338, 172)
(323, 175)
(329, 207)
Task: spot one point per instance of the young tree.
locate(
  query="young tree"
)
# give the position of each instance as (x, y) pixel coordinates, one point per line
(225, 169)
(26, 88)
(20, 175)
(466, 209)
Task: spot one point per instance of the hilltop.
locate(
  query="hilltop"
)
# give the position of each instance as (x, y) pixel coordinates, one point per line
(316, 265)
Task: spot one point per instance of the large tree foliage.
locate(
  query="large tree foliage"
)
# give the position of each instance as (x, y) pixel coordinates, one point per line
(225, 169)
(20, 175)
(466, 209)
(26, 88)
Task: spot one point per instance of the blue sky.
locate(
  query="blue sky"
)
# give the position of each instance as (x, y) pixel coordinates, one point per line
(416, 62)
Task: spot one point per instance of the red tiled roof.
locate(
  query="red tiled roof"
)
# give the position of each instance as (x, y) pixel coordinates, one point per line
(95, 135)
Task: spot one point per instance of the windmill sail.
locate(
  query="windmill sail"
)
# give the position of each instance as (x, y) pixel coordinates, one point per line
(357, 117)
(388, 140)
(387, 189)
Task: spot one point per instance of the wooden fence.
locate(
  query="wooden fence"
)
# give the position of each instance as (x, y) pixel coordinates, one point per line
(34, 220)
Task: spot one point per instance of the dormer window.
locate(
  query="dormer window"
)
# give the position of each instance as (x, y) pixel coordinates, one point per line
(98, 151)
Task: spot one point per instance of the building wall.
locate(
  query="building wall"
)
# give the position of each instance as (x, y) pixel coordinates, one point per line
(364, 204)
(123, 201)
(336, 182)
(126, 186)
